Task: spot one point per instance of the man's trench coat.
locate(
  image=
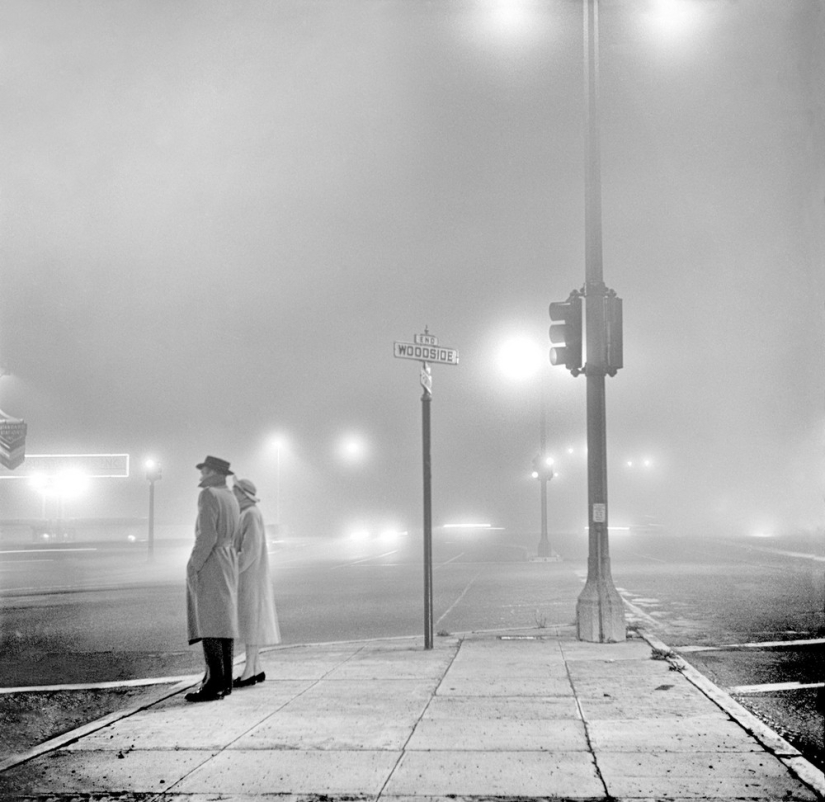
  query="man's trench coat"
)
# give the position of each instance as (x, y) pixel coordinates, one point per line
(212, 571)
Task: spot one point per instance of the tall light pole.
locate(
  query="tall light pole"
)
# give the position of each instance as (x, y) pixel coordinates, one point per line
(520, 358)
(153, 474)
(278, 486)
(280, 442)
(599, 610)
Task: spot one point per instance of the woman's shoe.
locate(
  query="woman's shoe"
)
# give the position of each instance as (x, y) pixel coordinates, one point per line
(243, 683)
(260, 677)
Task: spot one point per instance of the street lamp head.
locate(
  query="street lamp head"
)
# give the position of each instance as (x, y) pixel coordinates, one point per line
(519, 358)
(153, 470)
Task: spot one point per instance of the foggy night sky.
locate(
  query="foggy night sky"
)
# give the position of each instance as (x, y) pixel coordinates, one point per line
(216, 218)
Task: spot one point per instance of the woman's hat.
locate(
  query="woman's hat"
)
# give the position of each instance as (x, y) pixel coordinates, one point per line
(247, 488)
(219, 465)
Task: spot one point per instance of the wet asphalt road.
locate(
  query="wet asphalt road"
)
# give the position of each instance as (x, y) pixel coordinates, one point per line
(95, 612)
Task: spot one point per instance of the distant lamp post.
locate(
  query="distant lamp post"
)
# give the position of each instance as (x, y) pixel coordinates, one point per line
(153, 474)
(278, 443)
(520, 359)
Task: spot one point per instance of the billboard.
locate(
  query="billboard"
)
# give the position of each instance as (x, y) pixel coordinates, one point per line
(93, 466)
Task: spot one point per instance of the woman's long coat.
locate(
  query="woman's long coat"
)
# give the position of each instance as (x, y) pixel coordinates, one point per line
(257, 618)
(212, 571)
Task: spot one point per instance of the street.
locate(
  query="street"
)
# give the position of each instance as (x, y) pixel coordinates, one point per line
(97, 613)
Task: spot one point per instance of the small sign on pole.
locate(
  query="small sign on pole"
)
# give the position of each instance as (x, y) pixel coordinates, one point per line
(12, 441)
(425, 349)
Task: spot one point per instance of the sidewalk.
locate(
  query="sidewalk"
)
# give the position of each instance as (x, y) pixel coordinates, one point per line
(538, 715)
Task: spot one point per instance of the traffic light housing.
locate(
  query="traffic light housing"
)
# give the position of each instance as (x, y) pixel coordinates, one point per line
(542, 468)
(613, 333)
(566, 333)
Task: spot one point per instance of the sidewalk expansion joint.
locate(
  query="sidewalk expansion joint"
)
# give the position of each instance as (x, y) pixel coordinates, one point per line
(587, 736)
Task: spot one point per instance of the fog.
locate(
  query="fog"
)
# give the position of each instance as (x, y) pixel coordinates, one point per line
(217, 217)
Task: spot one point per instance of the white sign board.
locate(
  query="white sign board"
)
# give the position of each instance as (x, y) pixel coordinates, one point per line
(93, 466)
(426, 353)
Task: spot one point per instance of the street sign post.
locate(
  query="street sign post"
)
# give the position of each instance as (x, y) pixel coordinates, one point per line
(425, 349)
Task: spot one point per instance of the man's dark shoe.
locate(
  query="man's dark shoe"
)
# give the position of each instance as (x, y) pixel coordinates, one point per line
(204, 696)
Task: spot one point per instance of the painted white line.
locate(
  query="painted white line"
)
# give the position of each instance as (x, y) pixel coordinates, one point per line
(365, 560)
(775, 686)
(461, 596)
(44, 551)
(763, 645)
(802, 555)
(452, 559)
(647, 557)
(95, 686)
(639, 613)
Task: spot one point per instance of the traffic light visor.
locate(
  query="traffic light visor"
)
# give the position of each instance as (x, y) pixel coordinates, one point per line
(566, 332)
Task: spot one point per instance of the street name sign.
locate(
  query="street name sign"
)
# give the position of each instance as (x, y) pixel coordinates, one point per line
(426, 353)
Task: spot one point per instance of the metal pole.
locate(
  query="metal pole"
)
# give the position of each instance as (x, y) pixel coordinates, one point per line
(278, 488)
(151, 520)
(426, 398)
(544, 541)
(599, 610)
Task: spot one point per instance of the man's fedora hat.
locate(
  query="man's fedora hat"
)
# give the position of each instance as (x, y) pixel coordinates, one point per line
(219, 465)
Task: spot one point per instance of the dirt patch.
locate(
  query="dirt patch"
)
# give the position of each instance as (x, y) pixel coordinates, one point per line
(30, 718)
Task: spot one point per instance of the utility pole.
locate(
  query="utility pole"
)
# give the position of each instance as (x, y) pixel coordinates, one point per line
(544, 539)
(599, 610)
(153, 474)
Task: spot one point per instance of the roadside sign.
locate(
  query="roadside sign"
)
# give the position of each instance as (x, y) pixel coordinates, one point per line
(12, 442)
(93, 466)
(425, 353)
(425, 350)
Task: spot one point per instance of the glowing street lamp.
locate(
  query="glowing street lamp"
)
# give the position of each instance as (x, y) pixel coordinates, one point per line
(352, 449)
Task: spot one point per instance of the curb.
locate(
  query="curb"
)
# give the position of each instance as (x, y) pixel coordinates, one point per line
(774, 743)
(73, 735)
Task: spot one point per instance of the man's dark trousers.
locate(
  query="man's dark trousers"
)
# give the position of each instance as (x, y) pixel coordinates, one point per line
(217, 653)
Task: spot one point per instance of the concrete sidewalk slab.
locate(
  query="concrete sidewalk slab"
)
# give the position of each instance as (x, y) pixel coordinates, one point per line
(707, 775)
(331, 772)
(474, 717)
(566, 775)
(709, 733)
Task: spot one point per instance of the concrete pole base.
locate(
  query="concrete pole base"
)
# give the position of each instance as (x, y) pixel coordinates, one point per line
(600, 614)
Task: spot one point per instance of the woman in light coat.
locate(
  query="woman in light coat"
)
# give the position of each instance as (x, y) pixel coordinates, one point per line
(257, 618)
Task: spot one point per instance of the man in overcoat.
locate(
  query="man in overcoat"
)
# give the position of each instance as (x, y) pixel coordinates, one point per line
(212, 580)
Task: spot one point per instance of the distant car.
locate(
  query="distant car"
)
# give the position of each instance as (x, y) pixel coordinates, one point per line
(647, 525)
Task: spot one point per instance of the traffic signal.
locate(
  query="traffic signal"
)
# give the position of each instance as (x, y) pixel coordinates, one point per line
(613, 329)
(542, 468)
(566, 333)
